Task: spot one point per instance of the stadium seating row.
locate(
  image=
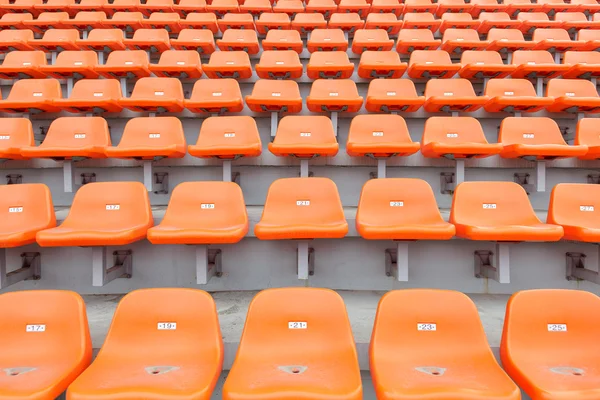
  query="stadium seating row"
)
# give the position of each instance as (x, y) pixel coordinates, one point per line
(298, 343)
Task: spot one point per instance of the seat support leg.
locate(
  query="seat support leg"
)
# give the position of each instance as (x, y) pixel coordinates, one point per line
(517, 114)
(396, 261)
(576, 268)
(100, 58)
(459, 172)
(540, 87)
(53, 57)
(274, 121)
(580, 116)
(124, 87)
(69, 86)
(148, 175)
(455, 113)
(31, 268)
(381, 167)
(485, 82)
(540, 176)
(304, 168)
(68, 175)
(334, 122)
(122, 266)
(594, 80)
(557, 57)
(84, 35)
(208, 264)
(227, 171)
(493, 265)
(306, 260)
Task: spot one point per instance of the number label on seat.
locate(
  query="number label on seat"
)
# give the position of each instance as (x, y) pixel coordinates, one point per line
(154, 135)
(167, 326)
(427, 327)
(557, 327)
(297, 325)
(586, 208)
(4, 137)
(303, 202)
(452, 135)
(391, 93)
(79, 136)
(396, 204)
(15, 209)
(113, 207)
(207, 206)
(276, 94)
(528, 136)
(159, 93)
(509, 93)
(35, 328)
(333, 94)
(229, 135)
(378, 133)
(217, 94)
(305, 134)
(98, 94)
(489, 206)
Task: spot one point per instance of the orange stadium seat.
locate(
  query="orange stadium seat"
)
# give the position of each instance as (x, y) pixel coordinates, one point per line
(72, 137)
(47, 20)
(87, 5)
(456, 95)
(591, 37)
(360, 7)
(410, 40)
(125, 64)
(452, 7)
(280, 64)
(14, 21)
(513, 95)
(200, 40)
(324, 7)
(329, 64)
(123, 6)
(532, 64)
(73, 64)
(20, 6)
(92, 96)
(162, 20)
(236, 21)
(346, 22)
(57, 40)
(431, 64)
(257, 7)
(203, 213)
(215, 96)
(302, 208)
(121, 211)
(239, 40)
(556, 40)
(275, 96)
(458, 21)
(86, 21)
(587, 134)
(581, 64)
(16, 134)
(32, 96)
(185, 7)
(304, 137)
(371, 39)
(498, 20)
(23, 64)
(531, 21)
(272, 21)
(150, 138)
(308, 22)
(200, 20)
(152, 40)
(155, 95)
(386, 7)
(507, 40)
(381, 64)
(498, 211)
(182, 327)
(483, 65)
(419, 7)
(456, 138)
(379, 136)
(574, 207)
(421, 20)
(103, 40)
(573, 95)
(126, 21)
(283, 40)
(587, 6)
(548, 345)
(515, 7)
(487, 6)
(460, 40)
(397, 95)
(182, 64)
(536, 138)
(307, 328)
(327, 40)
(574, 21)
(430, 328)
(290, 7)
(223, 7)
(334, 95)
(387, 21)
(227, 138)
(158, 6)
(46, 339)
(552, 7)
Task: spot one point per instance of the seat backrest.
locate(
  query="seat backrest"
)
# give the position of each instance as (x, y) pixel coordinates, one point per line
(35, 90)
(151, 34)
(24, 58)
(575, 204)
(418, 16)
(164, 17)
(90, 15)
(583, 35)
(276, 90)
(509, 87)
(179, 57)
(532, 16)
(196, 35)
(16, 132)
(76, 58)
(11, 35)
(53, 35)
(240, 35)
(449, 87)
(52, 16)
(345, 88)
(126, 15)
(96, 89)
(16, 17)
(581, 57)
(452, 16)
(157, 88)
(371, 127)
(415, 34)
(435, 57)
(571, 88)
(102, 34)
(570, 17)
(215, 89)
(26, 206)
(534, 130)
(274, 58)
(588, 132)
(532, 57)
(493, 16)
(453, 130)
(550, 33)
(506, 34)
(218, 132)
(481, 57)
(123, 58)
(329, 58)
(76, 132)
(305, 129)
(152, 132)
(470, 35)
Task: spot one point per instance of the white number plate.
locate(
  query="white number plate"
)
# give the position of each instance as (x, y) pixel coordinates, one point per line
(528, 136)
(15, 209)
(305, 134)
(113, 207)
(229, 135)
(35, 328)
(557, 327)
(396, 204)
(303, 202)
(426, 327)
(167, 326)
(4, 137)
(586, 208)
(452, 135)
(378, 133)
(207, 206)
(154, 135)
(80, 136)
(489, 206)
(297, 325)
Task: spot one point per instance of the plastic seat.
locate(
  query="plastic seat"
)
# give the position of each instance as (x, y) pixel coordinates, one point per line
(295, 363)
(587, 134)
(581, 64)
(458, 21)
(487, 6)
(273, 21)
(389, 22)
(189, 352)
(14, 21)
(126, 21)
(573, 206)
(283, 40)
(483, 65)
(16, 134)
(535, 139)
(327, 40)
(557, 40)
(290, 7)
(103, 40)
(163, 20)
(73, 64)
(329, 64)
(419, 7)
(86, 21)
(182, 64)
(304, 137)
(454, 361)
(227, 138)
(189, 221)
(552, 7)
(371, 40)
(72, 138)
(548, 343)
(257, 7)
(198, 20)
(46, 340)
(223, 7)
(200, 40)
(185, 7)
(460, 40)
(515, 7)
(421, 20)
(334, 96)
(591, 38)
(498, 20)
(360, 7)
(573, 95)
(452, 7)
(574, 21)
(532, 64)
(155, 95)
(498, 211)
(324, 7)
(456, 138)
(456, 95)
(349, 23)
(380, 64)
(281, 64)
(275, 96)
(215, 96)
(23, 64)
(20, 6)
(228, 64)
(507, 40)
(386, 7)
(513, 95)
(92, 96)
(587, 6)
(125, 64)
(236, 21)
(157, 6)
(410, 40)
(47, 20)
(531, 21)
(308, 22)
(87, 6)
(150, 138)
(57, 40)
(32, 96)
(239, 40)
(149, 40)
(431, 64)
(398, 95)
(379, 136)
(123, 6)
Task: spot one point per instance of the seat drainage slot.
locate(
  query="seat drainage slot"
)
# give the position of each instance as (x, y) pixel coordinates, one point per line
(568, 371)
(436, 371)
(160, 369)
(293, 369)
(18, 371)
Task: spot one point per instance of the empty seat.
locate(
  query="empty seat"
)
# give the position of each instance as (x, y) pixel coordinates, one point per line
(552, 7)
(92, 96)
(275, 96)
(26, 209)
(306, 329)
(215, 96)
(573, 95)
(72, 137)
(47, 20)
(200, 20)
(387, 6)
(588, 134)
(73, 64)
(548, 343)
(126, 21)
(323, 7)
(16, 134)
(185, 7)
(87, 20)
(445, 353)
(535, 139)
(360, 7)
(534, 64)
(125, 64)
(23, 64)
(157, 6)
(182, 328)
(498, 211)
(304, 137)
(203, 213)
(514, 7)
(308, 22)
(348, 23)
(419, 7)
(379, 136)
(389, 22)
(329, 64)
(334, 95)
(227, 138)
(87, 5)
(150, 40)
(488, 6)
(507, 40)
(222, 7)
(574, 21)
(200, 40)
(557, 40)
(371, 40)
(498, 20)
(32, 96)
(513, 95)
(410, 40)
(290, 7)
(381, 64)
(458, 21)
(451, 6)
(272, 21)
(421, 20)
(182, 64)
(431, 64)
(280, 64)
(283, 40)
(168, 21)
(455, 95)
(591, 37)
(258, 8)
(456, 138)
(460, 40)
(45, 336)
(483, 65)
(531, 21)
(239, 40)
(155, 95)
(121, 215)
(122, 6)
(14, 21)
(587, 6)
(20, 6)
(103, 40)
(575, 206)
(398, 95)
(236, 21)
(56, 40)
(582, 64)
(150, 138)
(327, 40)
